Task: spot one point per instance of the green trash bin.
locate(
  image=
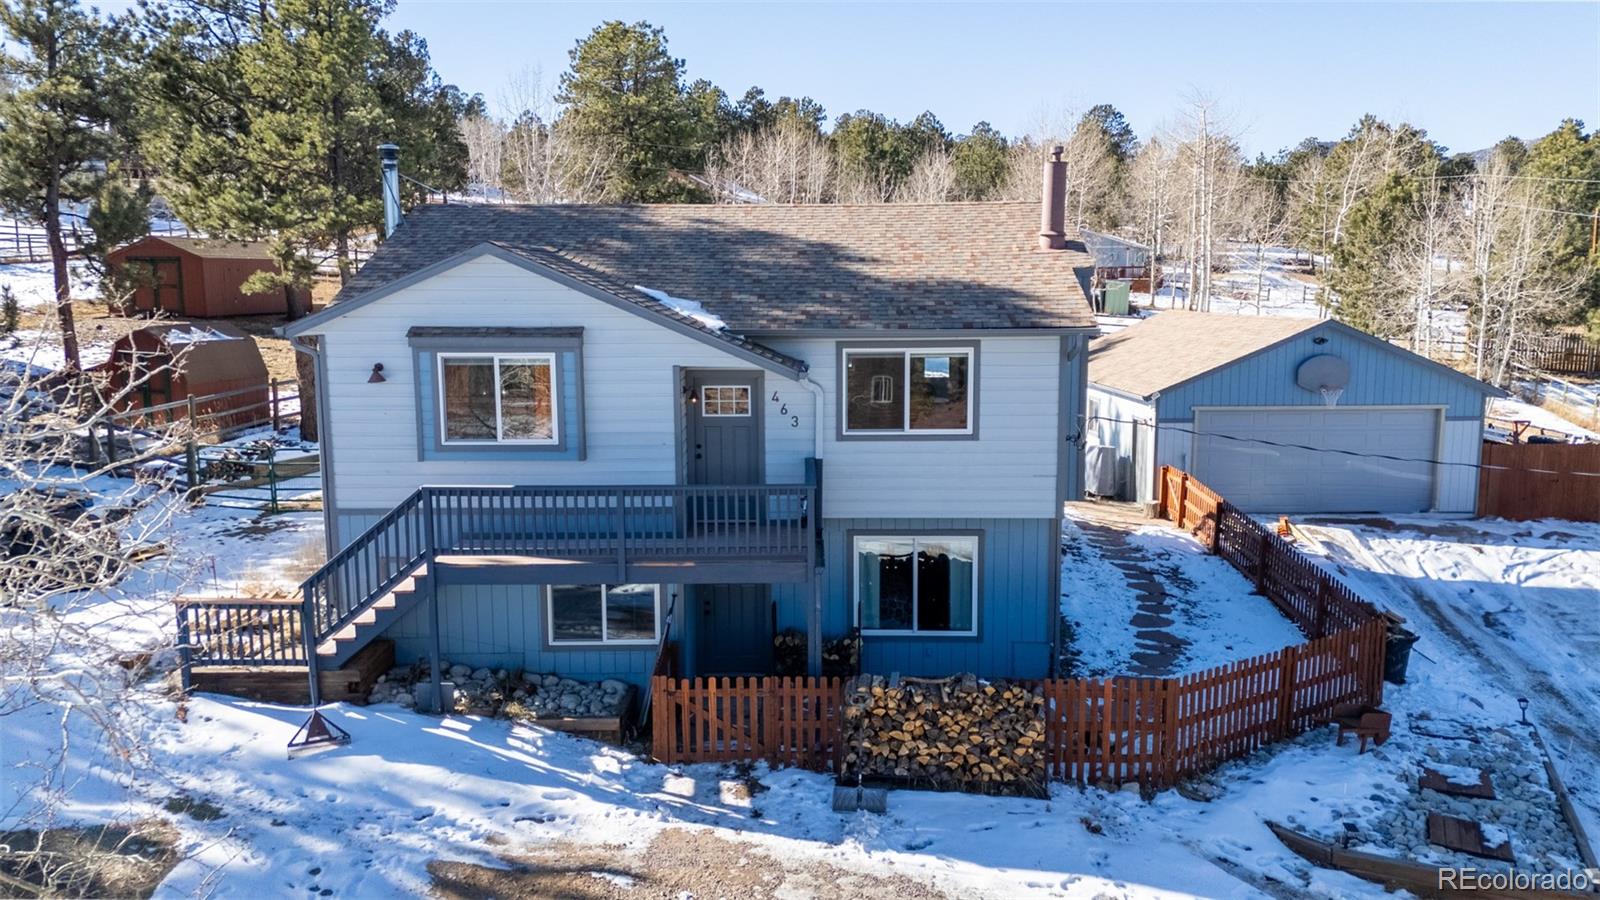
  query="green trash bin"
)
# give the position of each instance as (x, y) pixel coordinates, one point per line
(1116, 303)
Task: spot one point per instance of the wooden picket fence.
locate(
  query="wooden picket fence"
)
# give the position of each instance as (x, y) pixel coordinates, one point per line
(785, 721)
(1154, 731)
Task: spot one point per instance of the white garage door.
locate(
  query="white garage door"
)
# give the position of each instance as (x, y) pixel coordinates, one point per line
(1259, 477)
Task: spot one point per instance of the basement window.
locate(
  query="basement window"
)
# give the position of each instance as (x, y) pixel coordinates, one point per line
(621, 614)
(917, 585)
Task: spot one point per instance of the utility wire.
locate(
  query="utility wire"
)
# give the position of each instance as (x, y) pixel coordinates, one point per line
(1383, 456)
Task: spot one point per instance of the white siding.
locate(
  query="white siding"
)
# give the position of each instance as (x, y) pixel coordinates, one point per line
(1458, 484)
(1009, 471)
(1112, 425)
(631, 402)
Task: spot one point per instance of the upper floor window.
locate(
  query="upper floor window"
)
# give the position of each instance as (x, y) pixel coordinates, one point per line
(911, 391)
(497, 398)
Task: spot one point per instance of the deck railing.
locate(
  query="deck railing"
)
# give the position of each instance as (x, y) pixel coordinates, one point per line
(590, 523)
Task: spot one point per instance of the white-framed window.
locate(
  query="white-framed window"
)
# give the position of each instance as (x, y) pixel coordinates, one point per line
(498, 398)
(916, 585)
(616, 614)
(908, 391)
(725, 400)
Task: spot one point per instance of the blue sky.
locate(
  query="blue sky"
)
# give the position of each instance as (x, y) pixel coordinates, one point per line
(1469, 73)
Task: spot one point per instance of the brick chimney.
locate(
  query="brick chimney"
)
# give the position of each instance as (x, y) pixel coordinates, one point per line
(1053, 205)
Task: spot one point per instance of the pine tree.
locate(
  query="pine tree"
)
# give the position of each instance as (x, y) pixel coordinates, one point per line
(268, 117)
(1369, 291)
(61, 128)
(625, 97)
(1565, 166)
(10, 310)
(980, 160)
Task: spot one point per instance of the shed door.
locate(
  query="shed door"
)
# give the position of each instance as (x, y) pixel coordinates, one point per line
(166, 292)
(1262, 478)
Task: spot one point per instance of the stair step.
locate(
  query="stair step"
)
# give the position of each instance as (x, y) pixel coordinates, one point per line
(369, 616)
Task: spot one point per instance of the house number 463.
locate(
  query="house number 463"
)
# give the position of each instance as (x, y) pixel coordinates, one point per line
(783, 410)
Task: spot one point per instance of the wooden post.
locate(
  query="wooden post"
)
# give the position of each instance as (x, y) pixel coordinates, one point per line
(1261, 562)
(111, 441)
(1170, 710)
(277, 419)
(184, 651)
(1161, 493)
(272, 478)
(1286, 679)
(1183, 499)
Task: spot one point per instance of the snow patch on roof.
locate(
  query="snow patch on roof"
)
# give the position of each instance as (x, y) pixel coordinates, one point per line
(196, 334)
(690, 308)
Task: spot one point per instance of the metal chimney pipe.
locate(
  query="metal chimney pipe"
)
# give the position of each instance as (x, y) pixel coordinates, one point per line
(1053, 205)
(389, 164)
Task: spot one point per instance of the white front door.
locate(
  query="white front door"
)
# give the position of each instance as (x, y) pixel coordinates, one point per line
(1257, 475)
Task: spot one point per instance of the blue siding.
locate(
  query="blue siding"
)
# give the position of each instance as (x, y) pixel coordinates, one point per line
(1015, 611)
(502, 626)
(1380, 375)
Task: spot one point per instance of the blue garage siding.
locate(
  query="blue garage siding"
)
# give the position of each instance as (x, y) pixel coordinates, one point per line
(502, 626)
(1015, 611)
(1380, 375)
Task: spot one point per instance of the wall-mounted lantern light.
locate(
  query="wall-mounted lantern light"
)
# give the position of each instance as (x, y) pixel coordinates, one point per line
(377, 374)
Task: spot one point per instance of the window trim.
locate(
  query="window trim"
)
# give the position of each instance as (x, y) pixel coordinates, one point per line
(549, 358)
(750, 401)
(856, 537)
(907, 349)
(605, 595)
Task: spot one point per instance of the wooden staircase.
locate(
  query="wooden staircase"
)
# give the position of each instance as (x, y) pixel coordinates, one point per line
(375, 618)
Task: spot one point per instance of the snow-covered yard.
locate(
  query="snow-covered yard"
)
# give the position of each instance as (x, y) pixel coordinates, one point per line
(415, 798)
(1505, 610)
(1208, 614)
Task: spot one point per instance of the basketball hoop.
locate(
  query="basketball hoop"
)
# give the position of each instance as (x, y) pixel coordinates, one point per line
(1324, 375)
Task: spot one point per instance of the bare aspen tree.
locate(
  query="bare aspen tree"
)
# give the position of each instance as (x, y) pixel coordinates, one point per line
(485, 137)
(84, 507)
(786, 163)
(545, 162)
(932, 179)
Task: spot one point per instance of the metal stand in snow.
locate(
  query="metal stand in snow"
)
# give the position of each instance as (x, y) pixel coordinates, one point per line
(317, 734)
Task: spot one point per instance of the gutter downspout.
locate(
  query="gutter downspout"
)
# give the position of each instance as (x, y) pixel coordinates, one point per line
(816, 425)
(814, 620)
(307, 345)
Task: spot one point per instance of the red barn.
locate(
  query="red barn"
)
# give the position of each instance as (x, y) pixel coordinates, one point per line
(199, 278)
(167, 363)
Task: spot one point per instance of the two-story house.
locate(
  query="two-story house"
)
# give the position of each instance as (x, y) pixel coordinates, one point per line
(549, 431)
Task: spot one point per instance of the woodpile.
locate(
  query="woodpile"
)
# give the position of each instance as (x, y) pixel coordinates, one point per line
(841, 656)
(954, 733)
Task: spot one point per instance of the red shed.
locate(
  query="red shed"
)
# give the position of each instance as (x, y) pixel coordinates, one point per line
(169, 362)
(199, 278)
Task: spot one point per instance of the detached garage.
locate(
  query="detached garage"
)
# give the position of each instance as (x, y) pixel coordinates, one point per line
(1283, 416)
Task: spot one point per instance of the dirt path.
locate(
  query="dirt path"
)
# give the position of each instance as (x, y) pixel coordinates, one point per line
(679, 863)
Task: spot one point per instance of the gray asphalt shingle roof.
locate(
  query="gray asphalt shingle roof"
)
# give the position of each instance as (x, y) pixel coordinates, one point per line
(774, 268)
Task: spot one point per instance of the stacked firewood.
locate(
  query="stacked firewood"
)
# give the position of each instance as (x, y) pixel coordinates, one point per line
(954, 733)
(840, 656)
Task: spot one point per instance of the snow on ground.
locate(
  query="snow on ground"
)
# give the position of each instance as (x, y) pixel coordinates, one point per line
(366, 819)
(35, 284)
(1505, 610)
(1215, 610)
(1513, 410)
